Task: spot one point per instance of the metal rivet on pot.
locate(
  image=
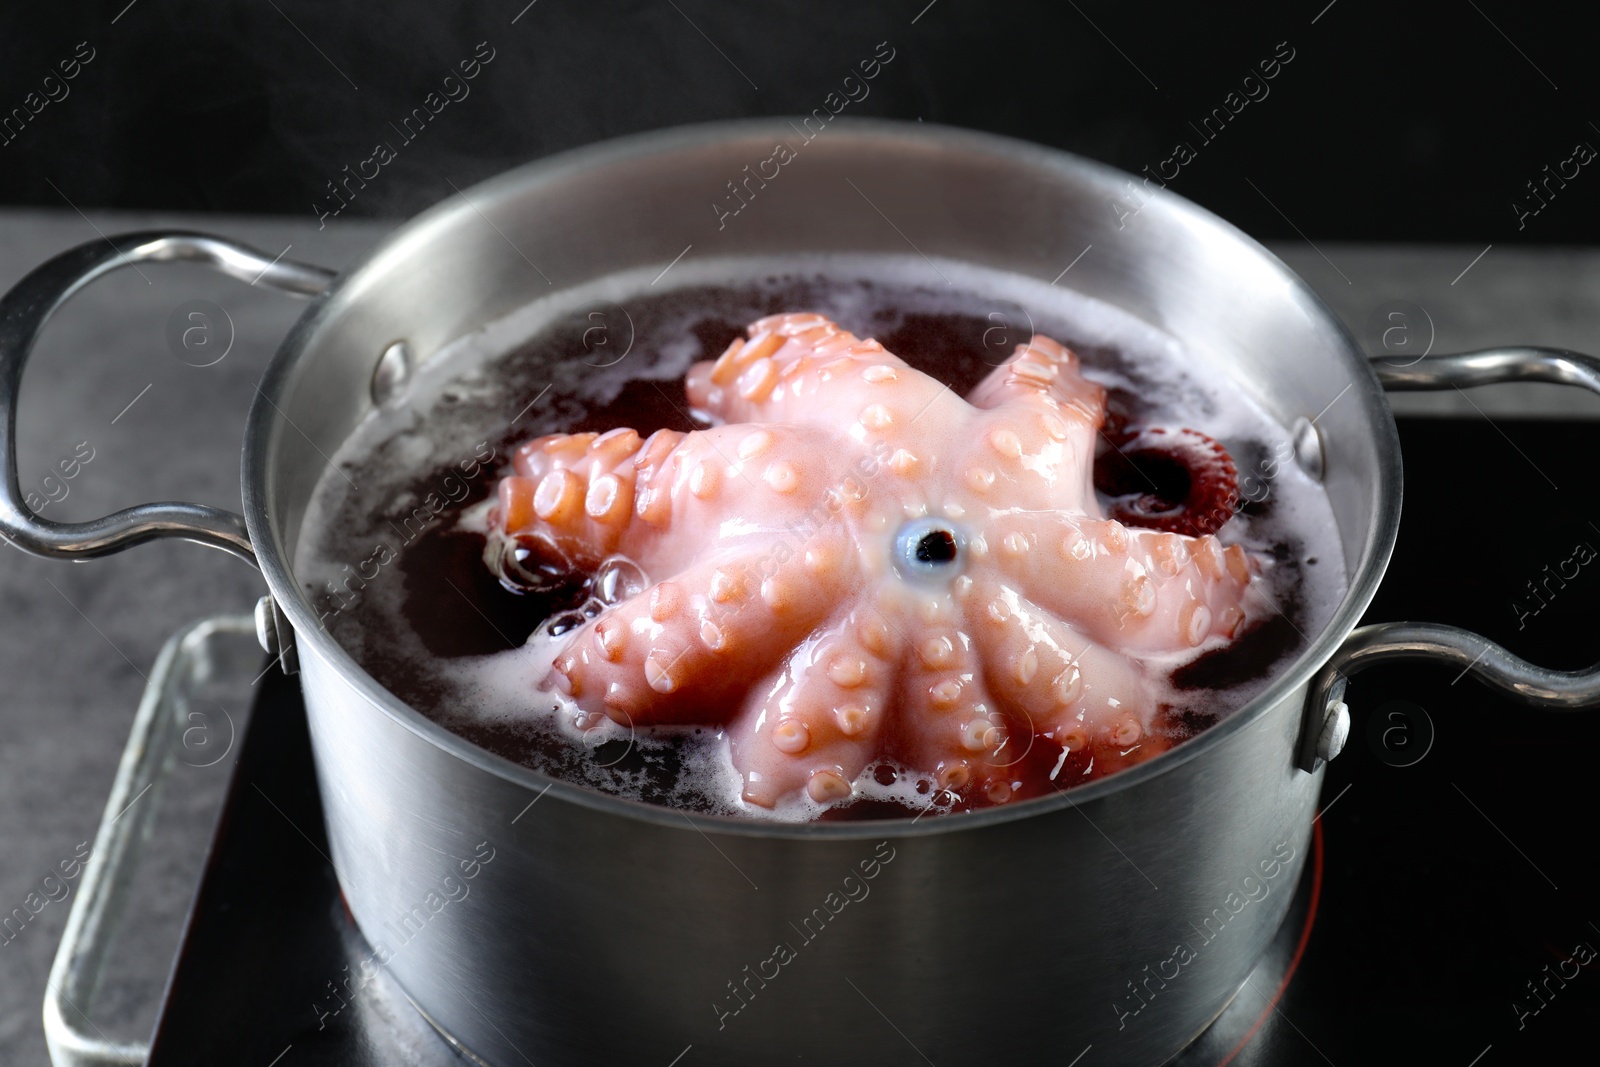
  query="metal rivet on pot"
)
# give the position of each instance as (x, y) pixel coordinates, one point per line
(392, 374)
(1307, 447)
(1335, 731)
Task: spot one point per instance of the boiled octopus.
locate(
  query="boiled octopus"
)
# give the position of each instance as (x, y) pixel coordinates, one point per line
(856, 569)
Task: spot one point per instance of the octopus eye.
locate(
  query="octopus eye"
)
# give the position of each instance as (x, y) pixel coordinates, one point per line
(928, 548)
(936, 546)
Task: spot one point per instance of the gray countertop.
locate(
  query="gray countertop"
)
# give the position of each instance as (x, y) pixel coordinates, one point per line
(77, 640)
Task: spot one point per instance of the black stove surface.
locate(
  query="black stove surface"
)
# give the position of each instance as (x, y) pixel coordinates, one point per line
(1449, 914)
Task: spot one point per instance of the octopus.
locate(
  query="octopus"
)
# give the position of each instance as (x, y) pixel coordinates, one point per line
(856, 571)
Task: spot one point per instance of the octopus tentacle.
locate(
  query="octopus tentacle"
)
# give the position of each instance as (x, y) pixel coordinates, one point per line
(1130, 589)
(1163, 479)
(804, 369)
(1044, 419)
(1045, 374)
(576, 490)
(960, 724)
(690, 643)
(818, 721)
(1074, 690)
(658, 499)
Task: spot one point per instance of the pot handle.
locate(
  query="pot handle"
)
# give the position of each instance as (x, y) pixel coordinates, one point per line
(23, 314)
(1327, 717)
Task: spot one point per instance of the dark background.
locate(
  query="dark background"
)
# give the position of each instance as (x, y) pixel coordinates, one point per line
(1396, 122)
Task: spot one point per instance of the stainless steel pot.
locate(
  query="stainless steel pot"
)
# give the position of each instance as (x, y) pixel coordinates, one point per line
(534, 921)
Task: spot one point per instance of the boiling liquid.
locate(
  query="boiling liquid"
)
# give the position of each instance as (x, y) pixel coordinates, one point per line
(392, 556)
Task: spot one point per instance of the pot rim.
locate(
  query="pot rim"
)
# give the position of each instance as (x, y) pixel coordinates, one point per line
(1378, 541)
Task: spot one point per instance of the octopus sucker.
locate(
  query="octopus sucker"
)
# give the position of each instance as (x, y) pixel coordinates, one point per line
(1007, 443)
(827, 786)
(781, 477)
(876, 417)
(854, 564)
(705, 480)
(712, 637)
(607, 500)
(753, 444)
(937, 651)
(903, 462)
